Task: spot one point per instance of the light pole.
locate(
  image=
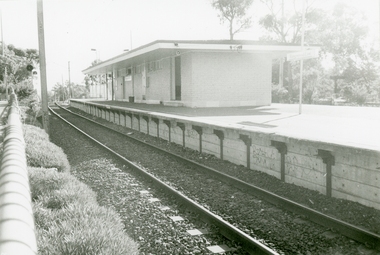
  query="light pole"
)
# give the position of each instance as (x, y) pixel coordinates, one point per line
(96, 51)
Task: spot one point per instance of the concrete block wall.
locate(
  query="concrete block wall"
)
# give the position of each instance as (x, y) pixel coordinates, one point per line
(355, 172)
(356, 176)
(265, 159)
(192, 139)
(177, 135)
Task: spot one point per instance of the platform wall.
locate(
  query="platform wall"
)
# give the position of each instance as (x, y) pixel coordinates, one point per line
(334, 170)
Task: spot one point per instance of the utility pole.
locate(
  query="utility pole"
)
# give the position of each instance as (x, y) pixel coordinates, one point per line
(41, 44)
(70, 89)
(302, 49)
(282, 62)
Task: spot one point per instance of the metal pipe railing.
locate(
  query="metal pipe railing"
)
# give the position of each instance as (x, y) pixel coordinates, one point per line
(17, 231)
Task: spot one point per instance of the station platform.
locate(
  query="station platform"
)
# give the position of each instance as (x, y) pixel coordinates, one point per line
(350, 126)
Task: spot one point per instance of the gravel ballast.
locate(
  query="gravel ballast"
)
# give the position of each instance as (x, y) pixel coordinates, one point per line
(267, 216)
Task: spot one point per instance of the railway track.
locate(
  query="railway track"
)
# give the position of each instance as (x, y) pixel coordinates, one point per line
(346, 229)
(250, 244)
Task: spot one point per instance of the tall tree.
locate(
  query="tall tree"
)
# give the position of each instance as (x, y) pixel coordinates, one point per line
(344, 36)
(235, 12)
(284, 21)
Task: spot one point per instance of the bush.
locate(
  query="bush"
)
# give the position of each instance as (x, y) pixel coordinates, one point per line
(57, 190)
(279, 94)
(40, 152)
(69, 221)
(79, 229)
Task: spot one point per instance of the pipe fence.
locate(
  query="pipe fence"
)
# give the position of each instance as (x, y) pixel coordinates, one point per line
(17, 231)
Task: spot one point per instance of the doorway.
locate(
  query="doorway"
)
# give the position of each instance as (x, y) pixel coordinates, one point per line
(177, 77)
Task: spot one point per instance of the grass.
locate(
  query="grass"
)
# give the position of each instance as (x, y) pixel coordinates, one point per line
(67, 216)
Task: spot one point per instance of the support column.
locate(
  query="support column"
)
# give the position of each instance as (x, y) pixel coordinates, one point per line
(183, 128)
(130, 115)
(329, 160)
(125, 119)
(146, 118)
(282, 149)
(248, 142)
(200, 132)
(138, 121)
(157, 121)
(220, 135)
(169, 125)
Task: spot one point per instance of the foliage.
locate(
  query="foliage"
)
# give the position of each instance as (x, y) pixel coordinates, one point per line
(234, 11)
(41, 152)
(62, 92)
(15, 61)
(69, 221)
(279, 94)
(79, 91)
(24, 91)
(47, 185)
(342, 36)
(287, 26)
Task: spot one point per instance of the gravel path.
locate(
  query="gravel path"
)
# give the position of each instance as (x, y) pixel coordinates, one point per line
(293, 234)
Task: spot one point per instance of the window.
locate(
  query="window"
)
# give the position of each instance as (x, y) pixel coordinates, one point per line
(155, 65)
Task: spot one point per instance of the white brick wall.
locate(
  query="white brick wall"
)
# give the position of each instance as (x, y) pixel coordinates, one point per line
(229, 79)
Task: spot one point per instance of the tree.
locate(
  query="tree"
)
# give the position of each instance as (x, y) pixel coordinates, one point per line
(61, 92)
(15, 61)
(283, 24)
(79, 91)
(234, 11)
(344, 37)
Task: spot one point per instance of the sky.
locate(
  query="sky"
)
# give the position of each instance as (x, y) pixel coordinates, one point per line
(73, 28)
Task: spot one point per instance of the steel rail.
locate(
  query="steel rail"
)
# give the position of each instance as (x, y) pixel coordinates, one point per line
(17, 230)
(354, 232)
(251, 245)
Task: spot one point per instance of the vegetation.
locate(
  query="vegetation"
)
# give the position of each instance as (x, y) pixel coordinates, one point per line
(40, 152)
(348, 65)
(63, 92)
(235, 12)
(67, 216)
(69, 220)
(353, 71)
(14, 62)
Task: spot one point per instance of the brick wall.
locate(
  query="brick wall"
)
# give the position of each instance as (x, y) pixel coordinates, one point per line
(228, 79)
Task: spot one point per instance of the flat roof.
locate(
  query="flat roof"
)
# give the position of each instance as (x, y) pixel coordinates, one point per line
(164, 48)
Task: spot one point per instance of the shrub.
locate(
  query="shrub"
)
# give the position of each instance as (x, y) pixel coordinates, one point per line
(40, 152)
(69, 221)
(57, 190)
(80, 229)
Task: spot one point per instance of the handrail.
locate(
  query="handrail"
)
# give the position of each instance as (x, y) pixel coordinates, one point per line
(17, 231)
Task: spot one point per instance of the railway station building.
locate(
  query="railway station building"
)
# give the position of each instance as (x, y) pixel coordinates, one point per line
(191, 73)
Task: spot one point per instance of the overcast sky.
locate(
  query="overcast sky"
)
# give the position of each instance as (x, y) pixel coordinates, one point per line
(74, 27)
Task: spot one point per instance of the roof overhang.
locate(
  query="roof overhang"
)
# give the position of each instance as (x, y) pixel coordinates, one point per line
(161, 49)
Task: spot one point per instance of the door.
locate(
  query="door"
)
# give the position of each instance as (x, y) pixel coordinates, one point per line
(177, 77)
